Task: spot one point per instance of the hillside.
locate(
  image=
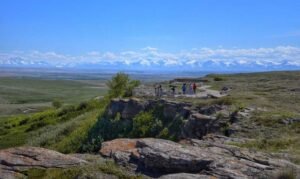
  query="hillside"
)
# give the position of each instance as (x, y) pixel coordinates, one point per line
(250, 129)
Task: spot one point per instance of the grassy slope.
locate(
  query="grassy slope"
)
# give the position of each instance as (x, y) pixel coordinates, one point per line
(20, 94)
(273, 94)
(60, 129)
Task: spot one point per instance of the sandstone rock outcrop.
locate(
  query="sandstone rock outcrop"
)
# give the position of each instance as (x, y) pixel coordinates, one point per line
(128, 108)
(15, 160)
(197, 121)
(193, 159)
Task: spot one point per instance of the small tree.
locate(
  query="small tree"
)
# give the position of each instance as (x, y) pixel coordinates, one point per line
(56, 103)
(121, 85)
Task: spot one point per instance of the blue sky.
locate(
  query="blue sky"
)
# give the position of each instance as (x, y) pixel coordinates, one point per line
(76, 28)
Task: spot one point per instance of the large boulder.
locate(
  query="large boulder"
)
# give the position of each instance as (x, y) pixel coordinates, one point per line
(169, 157)
(15, 160)
(159, 157)
(118, 145)
(120, 149)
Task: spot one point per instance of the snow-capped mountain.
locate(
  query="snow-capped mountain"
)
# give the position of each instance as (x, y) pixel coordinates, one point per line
(20, 62)
(205, 65)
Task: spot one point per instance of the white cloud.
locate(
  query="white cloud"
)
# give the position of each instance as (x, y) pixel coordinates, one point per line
(152, 56)
(93, 53)
(149, 49)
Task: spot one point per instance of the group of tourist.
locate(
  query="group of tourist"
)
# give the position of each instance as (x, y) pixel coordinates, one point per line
(192, 87)
(186, 89)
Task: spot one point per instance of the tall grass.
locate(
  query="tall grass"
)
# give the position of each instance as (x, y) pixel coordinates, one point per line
(76, 138)
(47, 127)
(88, 171)
(52, 134)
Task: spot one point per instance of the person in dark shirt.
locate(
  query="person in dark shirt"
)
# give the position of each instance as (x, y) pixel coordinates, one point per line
(183, 88)
(173, 90)
(160, 91)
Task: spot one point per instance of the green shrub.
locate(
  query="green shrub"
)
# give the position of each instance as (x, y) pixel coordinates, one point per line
(121, 86)
(36, 125)
(57, 103)
(164, 134)
(82, 106)
(145, 125)
(110, 128)
(93, 146)
(24, 121)
(218, 78)
(86, 171)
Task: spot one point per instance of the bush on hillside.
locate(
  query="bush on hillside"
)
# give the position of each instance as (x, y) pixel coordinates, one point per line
(57, 103)
(218, 78)
(146, 125)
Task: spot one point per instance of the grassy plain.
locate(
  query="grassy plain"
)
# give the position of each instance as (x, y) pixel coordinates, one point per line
(27, 95)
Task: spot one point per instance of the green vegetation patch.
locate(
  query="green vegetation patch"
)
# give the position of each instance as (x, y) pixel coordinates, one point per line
(286, 143)
(145, 124)
(19, 130)
(66, 128)
(28, 95)
(102, 170)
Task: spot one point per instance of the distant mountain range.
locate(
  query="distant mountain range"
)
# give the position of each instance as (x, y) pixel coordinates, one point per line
(205, 65)
(20, 62)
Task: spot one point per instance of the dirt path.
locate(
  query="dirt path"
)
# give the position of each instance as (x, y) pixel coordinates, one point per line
(202, 92)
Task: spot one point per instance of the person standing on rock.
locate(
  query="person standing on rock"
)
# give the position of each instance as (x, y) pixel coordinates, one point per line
(194, 88)
(183, 88)
(156, 89)
(191, 88)
(173, 90)
(160, 91)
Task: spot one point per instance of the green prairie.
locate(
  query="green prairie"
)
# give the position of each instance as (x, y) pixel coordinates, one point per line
(28, 95)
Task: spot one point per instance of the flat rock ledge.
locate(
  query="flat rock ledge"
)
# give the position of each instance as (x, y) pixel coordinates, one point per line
(192, 159)
(15, 160)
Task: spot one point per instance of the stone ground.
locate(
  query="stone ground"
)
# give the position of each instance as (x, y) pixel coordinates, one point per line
(192, 159)
(202, 92)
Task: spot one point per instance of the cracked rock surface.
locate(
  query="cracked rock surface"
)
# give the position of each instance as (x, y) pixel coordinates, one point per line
(15, 160)
(192, 159)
